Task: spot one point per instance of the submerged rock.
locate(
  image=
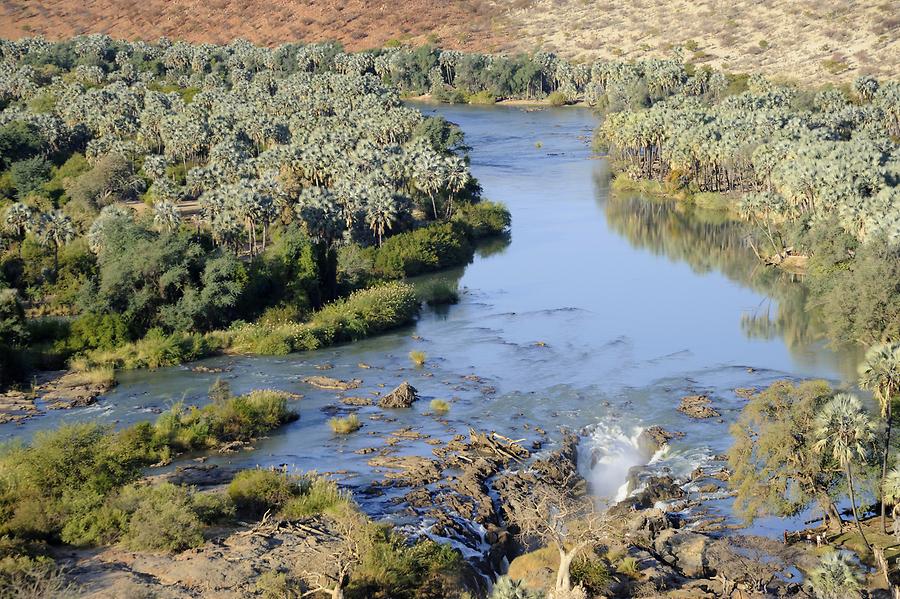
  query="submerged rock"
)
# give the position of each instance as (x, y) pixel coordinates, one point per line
(401, 397)
(697, 406)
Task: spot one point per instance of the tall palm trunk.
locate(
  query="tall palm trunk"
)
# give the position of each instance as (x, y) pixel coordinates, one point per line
(853, 505)
(884, 464)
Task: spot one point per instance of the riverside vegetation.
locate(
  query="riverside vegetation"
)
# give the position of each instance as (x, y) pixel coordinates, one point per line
(156, 197)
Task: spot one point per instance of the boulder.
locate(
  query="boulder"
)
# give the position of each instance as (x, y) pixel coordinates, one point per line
(401, 397)
(685, 551)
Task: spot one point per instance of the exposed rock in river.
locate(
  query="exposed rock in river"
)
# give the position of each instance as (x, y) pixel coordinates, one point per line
(326, 382)
(654, 438)
(697, 406)
(401, 397)
(16, 406)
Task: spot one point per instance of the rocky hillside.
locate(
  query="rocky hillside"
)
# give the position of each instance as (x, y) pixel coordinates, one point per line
(811, 41)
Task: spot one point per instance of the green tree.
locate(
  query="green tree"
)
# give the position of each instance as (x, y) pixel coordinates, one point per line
(846, 431)
(29, 175)
(776, 469)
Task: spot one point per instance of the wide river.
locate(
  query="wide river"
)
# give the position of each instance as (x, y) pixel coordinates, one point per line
(601, 309)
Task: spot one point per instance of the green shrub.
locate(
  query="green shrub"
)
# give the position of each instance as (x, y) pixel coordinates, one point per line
(482, 97)
(162, 518)
(96, 331)
(557, 98)
(439, 293)
(55, 485)
(212, 507)
(592, 574)
(418, 358)
(27, 577)
(253, 492)
(483, 219)
(239, 418)
(318, 495)
(277, 585)
(345, 426)
(29, 175)
(393, 568)
(628, 566)
(423, 250)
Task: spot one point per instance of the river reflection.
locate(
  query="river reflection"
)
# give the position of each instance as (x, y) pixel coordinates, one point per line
(710, 241)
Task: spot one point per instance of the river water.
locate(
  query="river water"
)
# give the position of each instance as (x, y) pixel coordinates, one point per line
(601, 309)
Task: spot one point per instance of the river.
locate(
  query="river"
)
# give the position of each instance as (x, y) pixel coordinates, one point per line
(601, 309)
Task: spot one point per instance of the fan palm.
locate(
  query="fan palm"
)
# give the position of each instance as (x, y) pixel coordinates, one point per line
(19, 218)
(846, 430)
(880, 374)
(166, 216)
(55, 229)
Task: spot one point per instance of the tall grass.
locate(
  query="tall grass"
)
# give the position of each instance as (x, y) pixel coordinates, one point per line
(418, 358)
(346, 425)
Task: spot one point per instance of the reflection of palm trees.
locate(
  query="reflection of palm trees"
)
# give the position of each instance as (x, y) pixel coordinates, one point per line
(710, 241)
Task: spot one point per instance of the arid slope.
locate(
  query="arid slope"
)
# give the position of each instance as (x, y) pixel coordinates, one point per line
(808, 40)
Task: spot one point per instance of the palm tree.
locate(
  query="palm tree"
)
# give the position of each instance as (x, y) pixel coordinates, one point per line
(381, 214)
(890, 493)
(845, 429)
(880, 374)
(166, 216)
(835, 578)
(19, 218)
(55, 229)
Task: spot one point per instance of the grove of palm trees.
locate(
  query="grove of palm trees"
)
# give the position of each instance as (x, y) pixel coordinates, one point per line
(298, 322)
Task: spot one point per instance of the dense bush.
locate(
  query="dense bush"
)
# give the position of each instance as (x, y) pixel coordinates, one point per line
(239, 418)
(14, 334)
(393, 568)
(423, 250)
(161, 517)
(96, 331)
(292, 496)
(483, 219)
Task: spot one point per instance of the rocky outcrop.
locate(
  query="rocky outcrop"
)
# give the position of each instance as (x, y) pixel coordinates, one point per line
(408, 471)
(697, 406)
(402, 397)
(654, 489)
